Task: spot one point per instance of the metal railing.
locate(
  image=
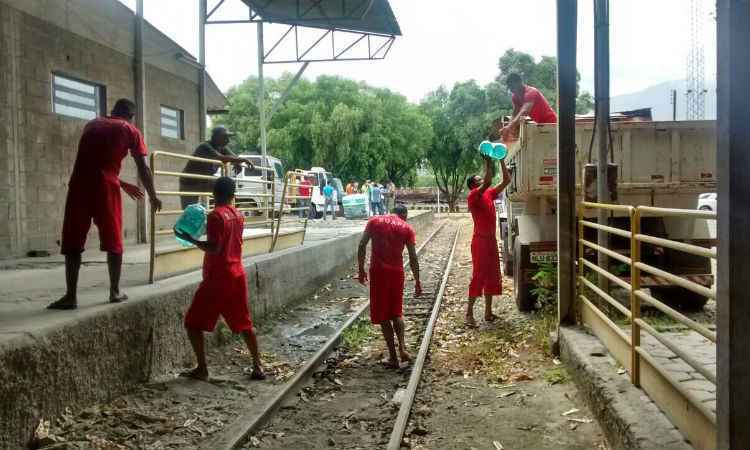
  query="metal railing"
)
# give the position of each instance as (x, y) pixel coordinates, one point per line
(291, 194)
(244, 203)
(613, 335)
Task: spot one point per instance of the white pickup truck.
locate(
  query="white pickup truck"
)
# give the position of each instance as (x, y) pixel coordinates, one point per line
(665, 164)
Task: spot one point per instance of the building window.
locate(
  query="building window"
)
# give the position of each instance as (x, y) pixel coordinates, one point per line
(76, 98)
(172, 123)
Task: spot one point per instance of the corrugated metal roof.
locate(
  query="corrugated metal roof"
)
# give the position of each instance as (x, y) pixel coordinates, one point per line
(370, 16)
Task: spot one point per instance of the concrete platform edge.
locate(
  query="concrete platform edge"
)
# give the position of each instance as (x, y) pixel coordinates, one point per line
(108, 349)
(630, 420)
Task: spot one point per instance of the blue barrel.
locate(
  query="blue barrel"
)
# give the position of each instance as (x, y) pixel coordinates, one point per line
(192, 222)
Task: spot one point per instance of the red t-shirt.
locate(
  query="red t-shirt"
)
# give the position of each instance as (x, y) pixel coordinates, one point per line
(304, 190)
(541, 112)
(482, 208)
(224, 227)
(389, 234)
(104, 143)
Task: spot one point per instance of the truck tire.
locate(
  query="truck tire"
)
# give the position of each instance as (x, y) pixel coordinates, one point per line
(521, 288)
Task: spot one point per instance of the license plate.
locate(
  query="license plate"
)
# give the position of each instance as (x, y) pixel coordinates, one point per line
(543, 257)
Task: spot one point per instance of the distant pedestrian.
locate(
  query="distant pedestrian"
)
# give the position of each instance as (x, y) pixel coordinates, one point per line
(365, 190)
(485, 258)
(389, 235)
(376, 198)
(328, 195)
(215, 148)
(389, 196)
(350, 188)
(94, 195)
(305, 205)
(223, 291)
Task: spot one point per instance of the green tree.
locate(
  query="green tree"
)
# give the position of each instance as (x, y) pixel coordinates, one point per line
(459, 122)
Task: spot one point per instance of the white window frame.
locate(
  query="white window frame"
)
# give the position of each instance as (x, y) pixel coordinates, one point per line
(172, 126)
(76, 98)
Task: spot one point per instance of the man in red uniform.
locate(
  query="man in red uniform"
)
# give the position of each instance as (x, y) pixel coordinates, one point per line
(527, 102)
(305, 190)
(485, 258)
(389, 235)
(224, 287)
(94, 194)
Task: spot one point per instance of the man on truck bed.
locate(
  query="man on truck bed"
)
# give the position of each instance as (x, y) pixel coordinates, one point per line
(485, 258)
(527, 102)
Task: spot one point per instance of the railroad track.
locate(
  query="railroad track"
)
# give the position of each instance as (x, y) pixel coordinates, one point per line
(420, 316)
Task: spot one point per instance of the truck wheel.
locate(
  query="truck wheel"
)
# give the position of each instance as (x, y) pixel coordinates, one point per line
(679, 298)
(521, 289)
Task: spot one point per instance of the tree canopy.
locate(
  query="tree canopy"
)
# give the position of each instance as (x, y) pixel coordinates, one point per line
(354, 130)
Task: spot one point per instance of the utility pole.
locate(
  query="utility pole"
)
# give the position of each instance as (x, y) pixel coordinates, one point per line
(202, 11)
(674, 105)
(140, 116)
(567, 23)
(601, 72)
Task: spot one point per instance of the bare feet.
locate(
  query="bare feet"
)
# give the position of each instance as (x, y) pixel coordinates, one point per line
(66, 303)
(490, 318)
(198, 373)
(470, 322)
(404, 356)
(117, 297)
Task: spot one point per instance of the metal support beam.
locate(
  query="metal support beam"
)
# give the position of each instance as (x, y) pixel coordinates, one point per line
(140, 116)
(601, 70)
(202, 110)
(261, 102)
(280, 101)
(733, 160)
(567, 22)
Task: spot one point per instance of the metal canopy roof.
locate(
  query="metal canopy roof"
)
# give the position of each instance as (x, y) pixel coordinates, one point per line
(367, 16)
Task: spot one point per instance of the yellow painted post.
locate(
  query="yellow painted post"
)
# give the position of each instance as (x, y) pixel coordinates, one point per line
(152, 231)
(635, 301)
(281, 211)
(581, 210)
(271, 203)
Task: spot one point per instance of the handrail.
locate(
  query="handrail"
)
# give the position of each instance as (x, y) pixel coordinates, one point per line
(639, 296)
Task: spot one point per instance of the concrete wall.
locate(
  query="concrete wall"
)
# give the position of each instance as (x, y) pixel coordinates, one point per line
(91, 40)
(105, 350)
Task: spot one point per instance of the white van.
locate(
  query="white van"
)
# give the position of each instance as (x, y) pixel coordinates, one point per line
(318, 176)
(249, 192)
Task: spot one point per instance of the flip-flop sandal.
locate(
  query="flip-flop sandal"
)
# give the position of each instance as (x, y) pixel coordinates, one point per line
(62, 306)
(120, 299)
(491, 319)
(389, 365)
(258, 376)
(192, 374)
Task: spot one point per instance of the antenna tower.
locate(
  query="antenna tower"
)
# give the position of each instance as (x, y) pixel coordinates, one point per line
(696, 65)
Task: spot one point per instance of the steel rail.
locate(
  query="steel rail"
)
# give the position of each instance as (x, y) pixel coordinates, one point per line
(241, 429)
(404, 412)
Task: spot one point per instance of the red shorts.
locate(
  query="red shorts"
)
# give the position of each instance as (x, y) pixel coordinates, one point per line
(220, 296)
(485, 260)
(102, 203)
(386, 294)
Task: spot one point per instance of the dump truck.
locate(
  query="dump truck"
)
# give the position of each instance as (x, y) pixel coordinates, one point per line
(663, 164)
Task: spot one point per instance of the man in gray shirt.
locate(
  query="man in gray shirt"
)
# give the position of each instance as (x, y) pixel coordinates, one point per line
(216, 148)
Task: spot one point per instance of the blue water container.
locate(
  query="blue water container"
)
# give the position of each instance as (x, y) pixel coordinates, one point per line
(192, 222)
(495, 150)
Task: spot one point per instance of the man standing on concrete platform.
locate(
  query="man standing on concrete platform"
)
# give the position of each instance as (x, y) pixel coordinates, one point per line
(215, 149)
(305, 189)
(389, 235)
(376, 199)
(94, 194)
(485, 257)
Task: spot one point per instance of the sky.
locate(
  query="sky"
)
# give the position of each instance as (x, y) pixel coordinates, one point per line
(445, 42)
